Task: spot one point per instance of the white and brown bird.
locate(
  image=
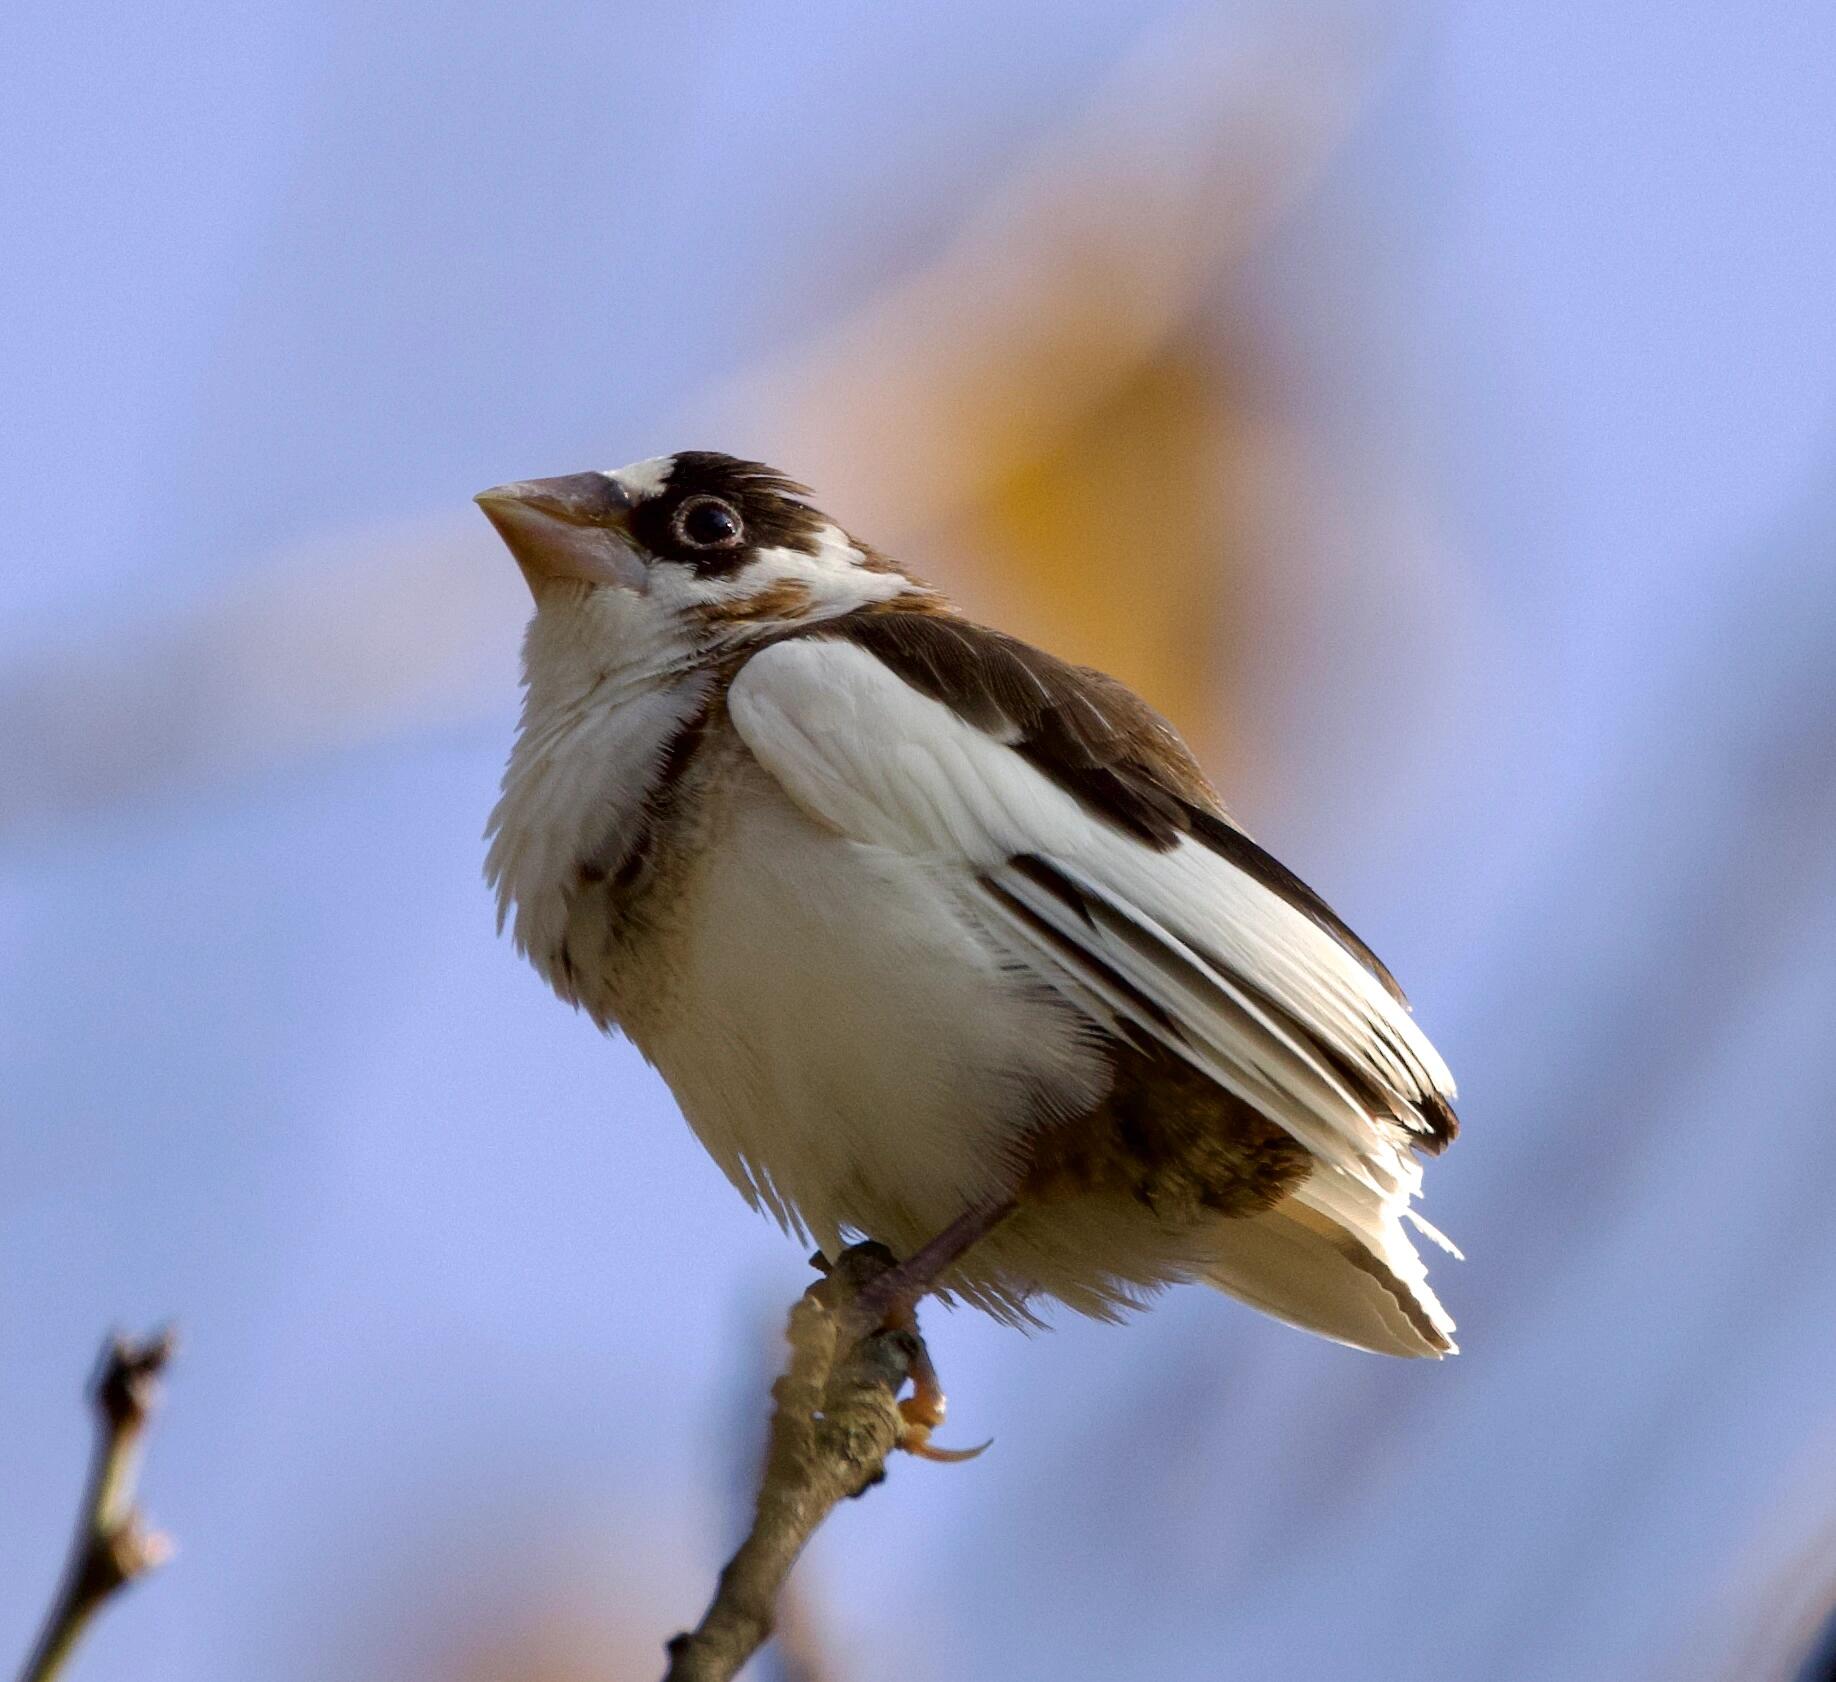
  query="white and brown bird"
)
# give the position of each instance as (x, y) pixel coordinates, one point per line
(937, 939)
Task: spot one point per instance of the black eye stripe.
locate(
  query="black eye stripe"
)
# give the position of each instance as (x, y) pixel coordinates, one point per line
(770, 509)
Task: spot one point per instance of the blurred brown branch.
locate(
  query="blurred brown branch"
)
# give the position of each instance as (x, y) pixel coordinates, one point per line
(113, 1546)
(835, 1421)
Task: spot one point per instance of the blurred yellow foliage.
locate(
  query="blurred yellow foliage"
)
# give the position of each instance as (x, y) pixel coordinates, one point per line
(1113, 548)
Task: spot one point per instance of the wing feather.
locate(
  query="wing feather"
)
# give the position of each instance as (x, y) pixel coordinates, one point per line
(1155, 934)
(1260, 992)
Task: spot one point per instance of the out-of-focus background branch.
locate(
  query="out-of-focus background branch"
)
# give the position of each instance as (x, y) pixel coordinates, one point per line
(113, 1544)
(1432, 409)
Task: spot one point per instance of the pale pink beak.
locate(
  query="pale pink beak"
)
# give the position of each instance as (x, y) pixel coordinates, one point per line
(576, 527)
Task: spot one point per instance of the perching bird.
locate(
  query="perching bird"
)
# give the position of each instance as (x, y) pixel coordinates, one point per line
(931, 933)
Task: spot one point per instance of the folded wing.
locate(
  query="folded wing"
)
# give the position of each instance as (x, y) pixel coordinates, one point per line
(1093, 850)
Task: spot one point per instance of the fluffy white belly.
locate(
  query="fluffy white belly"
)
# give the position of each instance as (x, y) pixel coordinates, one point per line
(839, 1038)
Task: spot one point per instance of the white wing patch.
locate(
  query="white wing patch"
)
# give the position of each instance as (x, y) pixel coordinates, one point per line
(1179, 946)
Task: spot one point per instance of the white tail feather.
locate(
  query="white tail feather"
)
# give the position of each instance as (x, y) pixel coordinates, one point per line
(1333, 1260)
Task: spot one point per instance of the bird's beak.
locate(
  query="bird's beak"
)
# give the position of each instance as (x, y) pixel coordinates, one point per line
(575, 527)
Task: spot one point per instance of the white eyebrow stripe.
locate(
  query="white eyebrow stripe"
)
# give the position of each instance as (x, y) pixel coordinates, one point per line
(643, 478)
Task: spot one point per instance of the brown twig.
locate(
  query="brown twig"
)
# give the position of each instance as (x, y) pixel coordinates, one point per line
(797, 1649)
(834, 1424)
(113, 1545)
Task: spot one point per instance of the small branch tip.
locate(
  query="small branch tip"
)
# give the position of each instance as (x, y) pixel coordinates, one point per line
(113, 1543)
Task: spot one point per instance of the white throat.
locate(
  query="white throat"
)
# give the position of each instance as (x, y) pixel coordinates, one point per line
(609, 681)
(611, 677)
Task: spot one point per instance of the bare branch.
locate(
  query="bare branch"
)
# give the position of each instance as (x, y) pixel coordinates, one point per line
(797, 1648)
(835, 1422)
(113, 1545)
(854, 1341)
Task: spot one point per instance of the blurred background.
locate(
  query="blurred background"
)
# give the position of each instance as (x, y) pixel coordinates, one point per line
(1429, 406)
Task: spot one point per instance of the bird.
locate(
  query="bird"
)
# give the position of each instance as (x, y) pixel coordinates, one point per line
(939, 940)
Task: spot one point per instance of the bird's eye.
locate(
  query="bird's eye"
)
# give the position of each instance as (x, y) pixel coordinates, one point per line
(705, 522)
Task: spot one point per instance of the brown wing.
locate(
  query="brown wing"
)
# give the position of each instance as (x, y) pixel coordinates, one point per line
(1130, 771)
(1091, 735)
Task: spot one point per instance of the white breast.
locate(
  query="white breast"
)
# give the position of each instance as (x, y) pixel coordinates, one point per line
(843, 1043)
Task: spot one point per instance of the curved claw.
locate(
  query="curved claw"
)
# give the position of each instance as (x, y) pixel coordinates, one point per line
(922, 1414)
(915, 1442)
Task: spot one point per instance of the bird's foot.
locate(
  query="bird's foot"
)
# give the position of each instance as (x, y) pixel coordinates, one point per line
(878, 1296)
(924, 1409)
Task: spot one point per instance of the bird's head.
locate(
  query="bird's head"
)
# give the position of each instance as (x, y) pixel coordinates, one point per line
(710, 547)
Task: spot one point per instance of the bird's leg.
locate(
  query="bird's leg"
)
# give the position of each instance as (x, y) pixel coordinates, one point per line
(890, 1303)
(904, 1284)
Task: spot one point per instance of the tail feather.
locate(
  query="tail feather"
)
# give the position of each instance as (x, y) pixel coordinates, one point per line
(1338, 1263)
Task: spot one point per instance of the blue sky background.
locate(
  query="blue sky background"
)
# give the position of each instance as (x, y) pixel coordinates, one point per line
(468, 1318)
